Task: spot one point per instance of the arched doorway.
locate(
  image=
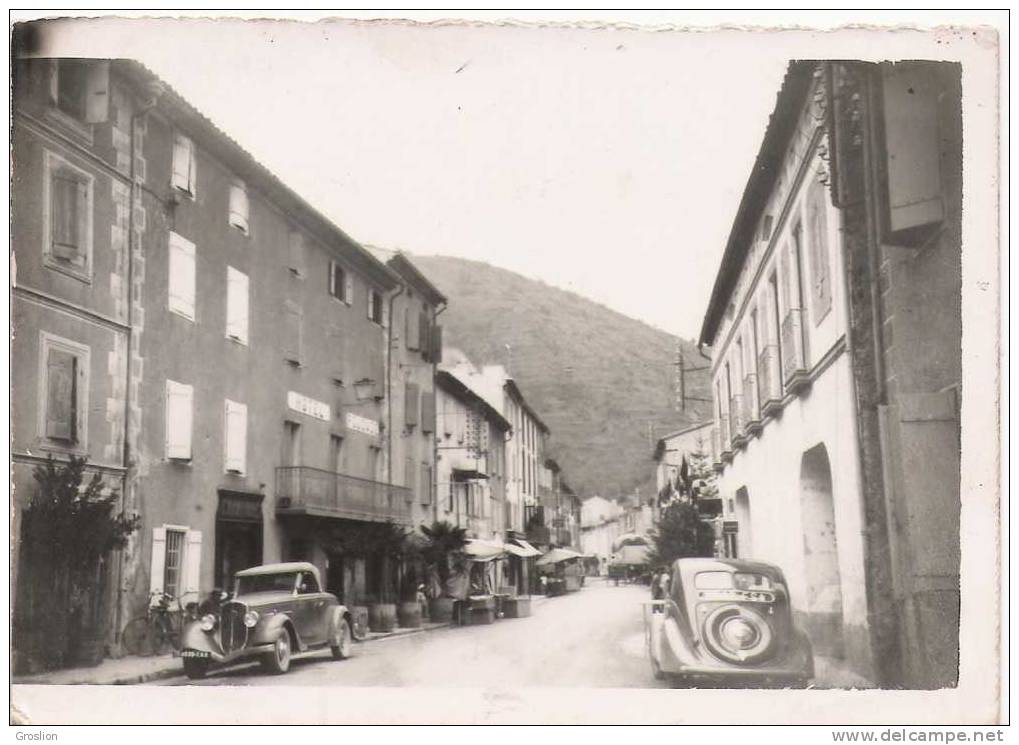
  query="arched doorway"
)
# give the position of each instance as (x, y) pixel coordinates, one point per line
(820, 553)
(745, 547)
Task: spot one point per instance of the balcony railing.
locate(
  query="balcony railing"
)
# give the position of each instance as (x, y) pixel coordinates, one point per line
(794, 361)
(725, 449)
(751, 404)
(313, 491)
(770, 380)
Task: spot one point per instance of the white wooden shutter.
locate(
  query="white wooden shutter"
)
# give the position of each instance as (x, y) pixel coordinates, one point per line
(348, 290)
(158, 563)
(191, 576)
(385, 311)
(181, 284)
(182, 163)
(292, 332)
(97, 92)
(236, 437)
(178, 420)
(237, 305)
(371, 304)
(239, 206)
(333, 289)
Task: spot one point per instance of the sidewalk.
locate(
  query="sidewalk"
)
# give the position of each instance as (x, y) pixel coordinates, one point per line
(135, 670)
(832, 673)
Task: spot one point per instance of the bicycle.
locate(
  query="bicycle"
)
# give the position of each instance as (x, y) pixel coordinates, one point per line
(160, 629)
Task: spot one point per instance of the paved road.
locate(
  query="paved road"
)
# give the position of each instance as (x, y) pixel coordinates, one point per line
(592, 638)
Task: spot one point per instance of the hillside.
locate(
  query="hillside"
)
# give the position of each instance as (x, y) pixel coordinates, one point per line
(596, 377)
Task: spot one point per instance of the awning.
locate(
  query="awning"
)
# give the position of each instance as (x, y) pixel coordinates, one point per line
(478, 549)
(556, 555)
(522, 548)
(468, 474)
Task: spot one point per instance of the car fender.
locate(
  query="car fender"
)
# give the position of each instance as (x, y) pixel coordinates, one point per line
(338, 615)
(205, 641)
(267, 630)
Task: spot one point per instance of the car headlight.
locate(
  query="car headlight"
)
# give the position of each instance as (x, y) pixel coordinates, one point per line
(251, 618)
(208, 622)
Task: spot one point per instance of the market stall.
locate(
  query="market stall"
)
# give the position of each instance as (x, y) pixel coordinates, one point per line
(562, 569)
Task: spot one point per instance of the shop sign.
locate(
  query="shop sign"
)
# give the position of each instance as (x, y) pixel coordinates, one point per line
(364, 425)
(308, 406)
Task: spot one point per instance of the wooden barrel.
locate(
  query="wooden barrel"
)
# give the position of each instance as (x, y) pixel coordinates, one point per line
(440, 610)
(409, 615)
(382, 617)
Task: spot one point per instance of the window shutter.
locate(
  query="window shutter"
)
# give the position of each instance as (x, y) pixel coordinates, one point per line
(239, 207)
(421, 333)
(64, 216)
(83, 212)
(97, 89)
(158, 563)
(428, 411)
(292, 333)
(182, 163)
(385, 310)
(181, 285)
(411, 404)
(786, 281)
(371, 304)
(332, 279)
(295, 259)
(913, 145)
(236, 426)
(410, 477)
(348, 288)
(61, 398)
(178, 420)
(435, 350)
(191, 581)
(237, 305)
(426, 484)
(817, 224)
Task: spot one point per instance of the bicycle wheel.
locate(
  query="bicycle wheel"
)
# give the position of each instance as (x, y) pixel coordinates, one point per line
(137, 636)
(162, 635)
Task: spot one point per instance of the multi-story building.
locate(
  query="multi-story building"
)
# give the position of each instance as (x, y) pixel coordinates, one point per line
(415, 348)
(471, 466)
(673, 450)
(215, 346)
(835, 328)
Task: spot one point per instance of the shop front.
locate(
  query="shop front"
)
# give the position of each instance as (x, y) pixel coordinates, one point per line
(239, 529)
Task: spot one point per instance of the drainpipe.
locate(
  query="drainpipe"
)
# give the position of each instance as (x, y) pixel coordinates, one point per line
(389, 386)
(150, 104)
(435, 435)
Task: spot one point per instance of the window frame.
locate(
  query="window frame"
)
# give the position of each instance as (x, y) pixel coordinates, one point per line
(244, 219)
(191, 190)
(171, 384)
(237, 409)
(52, 162)
(340, 288)
(177, 242)
(235, 277)
(48, 341)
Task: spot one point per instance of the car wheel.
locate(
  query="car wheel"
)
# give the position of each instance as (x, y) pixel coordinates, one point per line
(343, 641)
(278, 660)
(195, 669)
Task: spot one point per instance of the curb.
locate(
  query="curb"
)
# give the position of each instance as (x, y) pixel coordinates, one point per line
(177, 670)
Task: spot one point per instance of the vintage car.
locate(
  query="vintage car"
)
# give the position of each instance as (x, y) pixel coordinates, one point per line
(727, 621)
(275, 611)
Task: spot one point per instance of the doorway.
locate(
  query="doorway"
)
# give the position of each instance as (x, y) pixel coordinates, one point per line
(820, 553)
(742, 510)
(238, 535)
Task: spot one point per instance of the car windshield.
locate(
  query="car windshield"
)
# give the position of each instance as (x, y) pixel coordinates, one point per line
(282, 582)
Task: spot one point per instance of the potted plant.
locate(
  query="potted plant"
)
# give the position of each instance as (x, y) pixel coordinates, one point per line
(443, 539)
(68, 530)
(409, 613)
(385, 545)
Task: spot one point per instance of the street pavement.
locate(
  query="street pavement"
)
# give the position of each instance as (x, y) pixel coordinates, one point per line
(592, 638)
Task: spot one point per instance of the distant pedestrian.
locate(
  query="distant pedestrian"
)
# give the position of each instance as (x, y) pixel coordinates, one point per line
(663, 583)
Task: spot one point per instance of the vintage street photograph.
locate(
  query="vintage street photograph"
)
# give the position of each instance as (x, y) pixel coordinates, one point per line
(541, 365)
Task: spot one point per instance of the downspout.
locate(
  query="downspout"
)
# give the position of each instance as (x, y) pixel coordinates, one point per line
(435, 434)
(389, 386)
(150, 104)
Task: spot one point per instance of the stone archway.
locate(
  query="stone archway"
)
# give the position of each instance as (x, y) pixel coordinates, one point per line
(820, 553)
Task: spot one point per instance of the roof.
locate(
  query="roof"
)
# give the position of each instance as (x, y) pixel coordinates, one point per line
(660, 445)
(767, 167)
(514, 390)
(288, 566)
(399, 262)
(457, 387)
(197, 125)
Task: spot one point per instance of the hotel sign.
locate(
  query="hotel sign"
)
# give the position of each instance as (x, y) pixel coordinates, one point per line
(362, 424)
(308, 406)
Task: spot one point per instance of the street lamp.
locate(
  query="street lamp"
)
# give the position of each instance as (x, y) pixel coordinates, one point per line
(364, 391)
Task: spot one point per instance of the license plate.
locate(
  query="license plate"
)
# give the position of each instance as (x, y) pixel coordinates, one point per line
(195, 653)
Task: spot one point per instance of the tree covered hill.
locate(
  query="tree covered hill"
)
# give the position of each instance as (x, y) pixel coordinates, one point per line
(601, 381)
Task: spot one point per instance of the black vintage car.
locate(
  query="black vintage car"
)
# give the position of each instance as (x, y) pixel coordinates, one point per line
(274, 611)
(727, 621)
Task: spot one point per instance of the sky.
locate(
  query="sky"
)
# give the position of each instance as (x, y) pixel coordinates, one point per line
(608, 162)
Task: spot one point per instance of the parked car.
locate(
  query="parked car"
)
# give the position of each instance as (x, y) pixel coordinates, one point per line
(274, 611)
(727, 621)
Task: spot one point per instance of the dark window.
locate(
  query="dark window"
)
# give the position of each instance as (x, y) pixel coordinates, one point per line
(174, 562)
(375, 308)
(72, 83)
(307, 584)
(62, 396)
(69, 217)
(338, 282)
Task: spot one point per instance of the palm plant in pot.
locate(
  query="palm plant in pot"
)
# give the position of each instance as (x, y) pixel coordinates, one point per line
(443, 539)
(386, 544)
